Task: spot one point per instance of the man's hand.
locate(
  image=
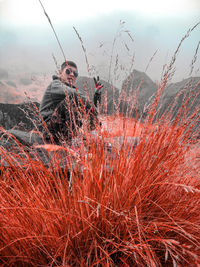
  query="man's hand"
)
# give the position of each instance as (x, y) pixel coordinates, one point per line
(98, 85)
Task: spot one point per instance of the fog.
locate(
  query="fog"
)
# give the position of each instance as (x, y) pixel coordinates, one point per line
(115, 43)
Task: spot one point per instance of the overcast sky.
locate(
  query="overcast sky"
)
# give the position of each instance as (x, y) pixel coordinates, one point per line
(27, 40)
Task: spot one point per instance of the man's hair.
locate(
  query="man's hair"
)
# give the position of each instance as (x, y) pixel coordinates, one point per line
(68, 63)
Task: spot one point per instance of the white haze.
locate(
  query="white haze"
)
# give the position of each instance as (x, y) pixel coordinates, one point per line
(27, 40)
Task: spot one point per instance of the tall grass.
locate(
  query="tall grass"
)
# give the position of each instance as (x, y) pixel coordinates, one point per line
(131, 203)
(112, 206)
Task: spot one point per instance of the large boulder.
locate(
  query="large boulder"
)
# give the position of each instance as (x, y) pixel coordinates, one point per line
(20, 116)
(138, 84)
(110, 94)
(174, 94)
(184, 94)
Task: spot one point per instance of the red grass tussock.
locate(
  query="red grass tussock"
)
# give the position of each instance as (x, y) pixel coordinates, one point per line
(118, 207)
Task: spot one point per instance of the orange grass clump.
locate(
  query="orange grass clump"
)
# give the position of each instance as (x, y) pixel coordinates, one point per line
(119, 206)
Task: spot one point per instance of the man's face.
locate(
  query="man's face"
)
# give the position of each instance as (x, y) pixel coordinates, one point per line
(69, 75)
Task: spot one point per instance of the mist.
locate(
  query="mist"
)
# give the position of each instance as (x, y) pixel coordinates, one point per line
(122, 40)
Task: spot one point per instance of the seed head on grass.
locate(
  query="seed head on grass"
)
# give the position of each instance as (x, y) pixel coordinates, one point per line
(120, 208)
(120, 205)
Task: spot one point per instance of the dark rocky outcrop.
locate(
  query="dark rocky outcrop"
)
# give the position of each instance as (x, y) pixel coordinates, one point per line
(110, 94)
(112, 101)
(185, 93)
(140, 85)
(173, 97)
(20, 116)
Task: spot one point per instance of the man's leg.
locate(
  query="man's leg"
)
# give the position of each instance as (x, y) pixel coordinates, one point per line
(63, 123)
(57, 131)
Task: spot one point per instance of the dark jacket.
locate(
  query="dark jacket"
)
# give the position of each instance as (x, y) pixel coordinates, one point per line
(56, 93)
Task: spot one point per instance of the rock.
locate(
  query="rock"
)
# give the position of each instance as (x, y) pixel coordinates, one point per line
(110, 94)
(138, 80)
(176, 95)
(20, 116)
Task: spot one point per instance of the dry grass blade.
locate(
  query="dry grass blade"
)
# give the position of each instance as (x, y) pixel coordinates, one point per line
(130, 196)
(49, 20)
(120, 209)
(169, 72)
(194, 59)
(84, 50)
(151, 60)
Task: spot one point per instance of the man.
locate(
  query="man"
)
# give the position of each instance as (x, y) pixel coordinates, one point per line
(64, 108)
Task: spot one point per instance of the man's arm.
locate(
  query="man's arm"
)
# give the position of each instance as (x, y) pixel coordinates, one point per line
(97, 98)
(97, 94)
